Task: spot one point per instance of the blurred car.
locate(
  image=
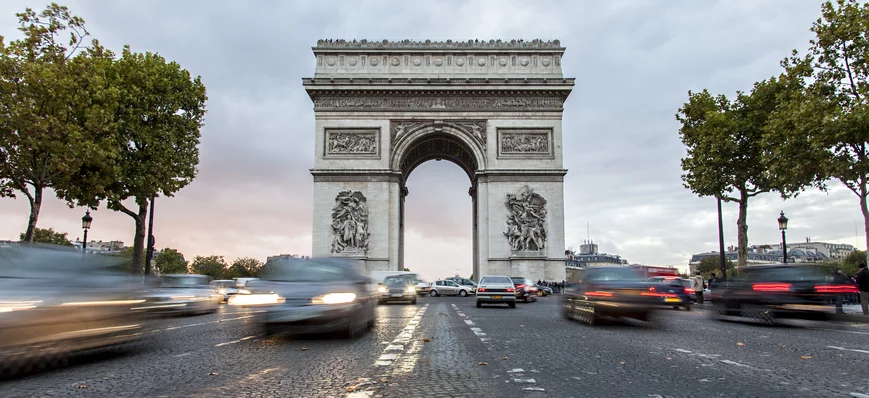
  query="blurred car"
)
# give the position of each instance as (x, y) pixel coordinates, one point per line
(496, 289)
(397, 288)
(313, 296)
(226, 288)
(184, 294)
(767, 293)
(463, 281)
(544, 291)
(242, 284)
(447, 287)
(54, 302)
(526, 289)
(422, 287)
(681, 287)
(611, 292)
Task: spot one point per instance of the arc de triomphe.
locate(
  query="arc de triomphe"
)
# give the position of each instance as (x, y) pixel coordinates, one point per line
(493, 108)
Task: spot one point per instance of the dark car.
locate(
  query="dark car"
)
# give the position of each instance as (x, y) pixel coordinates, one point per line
(397, 288)
(313, 296)
(680, 291)
(767, 293)
(610, 292)
(526, 289)
(543, 291)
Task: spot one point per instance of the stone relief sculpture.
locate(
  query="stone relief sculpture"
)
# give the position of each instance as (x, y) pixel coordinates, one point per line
(547, 102)
(477, 129)
(352, 142)
(536, 43)
(525, 143)
(526, 221)
(350, 223)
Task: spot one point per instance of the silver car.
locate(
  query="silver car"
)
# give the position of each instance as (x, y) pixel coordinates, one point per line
(449, 288)
(225, 287)
(185, 294)
(496, 290)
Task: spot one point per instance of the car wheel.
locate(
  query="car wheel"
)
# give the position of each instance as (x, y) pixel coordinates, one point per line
(479, 304)
(463, 293)
(688, 307)
(381, 302)
(413, 301)
(512, 304)
(358, 327)
(433, 293)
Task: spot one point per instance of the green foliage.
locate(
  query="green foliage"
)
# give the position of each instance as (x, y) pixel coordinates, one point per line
(170, 261)
(213, 266)
(125, 259)
(244, 267)
(711, 264)
(53, 106)
(48, 236)
(848, 265)
(407, 269)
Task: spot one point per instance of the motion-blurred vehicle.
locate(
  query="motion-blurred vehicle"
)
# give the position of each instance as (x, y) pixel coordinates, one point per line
(462, 281)
(544, 291)
(767, 293)
(681, 287)
(314, 296)
(526, 289)
(225, 287)
(243, 284)
(422, 287)
(611, 292)
(496, 289)
(397, 288)
(447, 287)
(54, 301)
(183, 294)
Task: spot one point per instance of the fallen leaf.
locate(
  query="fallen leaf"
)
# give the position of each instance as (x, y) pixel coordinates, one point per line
(81, 386)
(741, 344)
(304, 348)
(482, 363)
(806, 357)
(212, 373)
(426, 341)
(384, 381)
(782, 345)
(505, 358)
(351, 388)
(621, 363)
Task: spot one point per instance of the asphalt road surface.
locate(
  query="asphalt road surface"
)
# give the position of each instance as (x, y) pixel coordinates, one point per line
(445, 347)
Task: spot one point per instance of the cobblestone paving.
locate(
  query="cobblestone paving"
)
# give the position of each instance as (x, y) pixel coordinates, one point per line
(445, 347)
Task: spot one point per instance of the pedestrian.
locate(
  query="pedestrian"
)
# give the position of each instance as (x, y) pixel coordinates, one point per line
(713, 280)
(839, 278)
(698, 287)
(863, 286)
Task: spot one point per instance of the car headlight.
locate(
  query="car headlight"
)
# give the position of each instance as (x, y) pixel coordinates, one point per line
(254, 299)
(9, 306)
(243, 291)
(222, 291)
(410, 289)
(382, 289)
(334, 298)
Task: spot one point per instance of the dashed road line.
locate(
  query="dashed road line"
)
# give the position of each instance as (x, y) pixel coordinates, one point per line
(235, 341)
(847, 349)
(392, 352)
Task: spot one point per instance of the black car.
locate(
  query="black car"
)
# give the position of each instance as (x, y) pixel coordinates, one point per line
(610, 292)
(543, 291)
(526, 289)
(767, 293)
(680, 291)
(397, 288)
(314, 296)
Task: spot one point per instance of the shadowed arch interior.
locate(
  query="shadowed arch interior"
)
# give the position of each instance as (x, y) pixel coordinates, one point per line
(439, 147)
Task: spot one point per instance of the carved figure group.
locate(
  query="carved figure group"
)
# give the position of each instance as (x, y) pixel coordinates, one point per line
(350, 222)
(352, 142)
(526, 221)
(525, 143)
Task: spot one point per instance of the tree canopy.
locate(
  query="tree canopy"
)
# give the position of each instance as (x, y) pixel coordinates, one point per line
(48, 236)
(170, 261)
(213, 266)
(244, 267)
(712, 264)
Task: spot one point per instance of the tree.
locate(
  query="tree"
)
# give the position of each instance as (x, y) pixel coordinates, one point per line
(712, 264)
(53, 106)
(157, 125)
(244, 267)
(849, 264)
(213, 266)
(48, 236)
(170, 261)
(726, 150)
(832, 111)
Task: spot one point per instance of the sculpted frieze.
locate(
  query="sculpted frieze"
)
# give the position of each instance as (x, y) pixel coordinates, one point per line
(350, 223)
(536, 43)
(525, 142)
(475, 129)
(526, 221)
(423, 103)
(352, 141)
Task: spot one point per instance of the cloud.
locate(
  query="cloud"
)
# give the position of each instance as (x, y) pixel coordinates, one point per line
(634, 62)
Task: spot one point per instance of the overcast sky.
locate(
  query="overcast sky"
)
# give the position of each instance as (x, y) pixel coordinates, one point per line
(634, 62)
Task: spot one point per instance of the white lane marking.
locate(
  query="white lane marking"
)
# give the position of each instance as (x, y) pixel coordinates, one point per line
(847, 349)
(517, 370)
(204, 323)
(182, 355)
(843, 331)
(533, 389)
(741, 365)
(461, 314)
(685, 351)
(525, 380)
(235, 341)
(469, 322)
(858, 395)
(478, 332)
(388, 358)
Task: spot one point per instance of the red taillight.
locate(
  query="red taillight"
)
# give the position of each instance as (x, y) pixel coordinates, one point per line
(482, 289)
(599, 294)
(771, 287)
(836, 289)
(654, 293)
(510, 289)
(520, 286)
(690, 290)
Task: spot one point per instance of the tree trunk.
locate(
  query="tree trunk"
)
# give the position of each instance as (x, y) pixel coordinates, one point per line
(865, 211)
(139, 241)
(742, 230)
(35, 206)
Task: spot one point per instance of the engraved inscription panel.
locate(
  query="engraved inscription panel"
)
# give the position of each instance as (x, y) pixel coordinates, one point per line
(353, 142)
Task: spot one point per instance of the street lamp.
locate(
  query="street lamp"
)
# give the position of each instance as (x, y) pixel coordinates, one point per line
(783, 225)
(86, 225)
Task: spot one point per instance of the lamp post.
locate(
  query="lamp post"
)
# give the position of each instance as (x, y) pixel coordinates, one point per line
(783, 225)
(86, 225)
(149, 253)
(722, 258)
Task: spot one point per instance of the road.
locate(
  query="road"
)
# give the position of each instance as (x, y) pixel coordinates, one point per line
(445, 347)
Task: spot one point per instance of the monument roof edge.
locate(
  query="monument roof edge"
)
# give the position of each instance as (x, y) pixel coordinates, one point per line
(428, 45)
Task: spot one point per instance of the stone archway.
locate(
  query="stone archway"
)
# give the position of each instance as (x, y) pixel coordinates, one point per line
(493, 108)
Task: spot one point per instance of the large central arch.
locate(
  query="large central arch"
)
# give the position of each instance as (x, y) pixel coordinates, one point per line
(493, 108)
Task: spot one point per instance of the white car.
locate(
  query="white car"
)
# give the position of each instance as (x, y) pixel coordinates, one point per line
(449, 288)
(496, 289)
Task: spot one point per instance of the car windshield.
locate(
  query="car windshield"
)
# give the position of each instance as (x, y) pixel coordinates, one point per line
(397, 280)
(614, 274)
(182, 281)
(311, 271)
(496, 280)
